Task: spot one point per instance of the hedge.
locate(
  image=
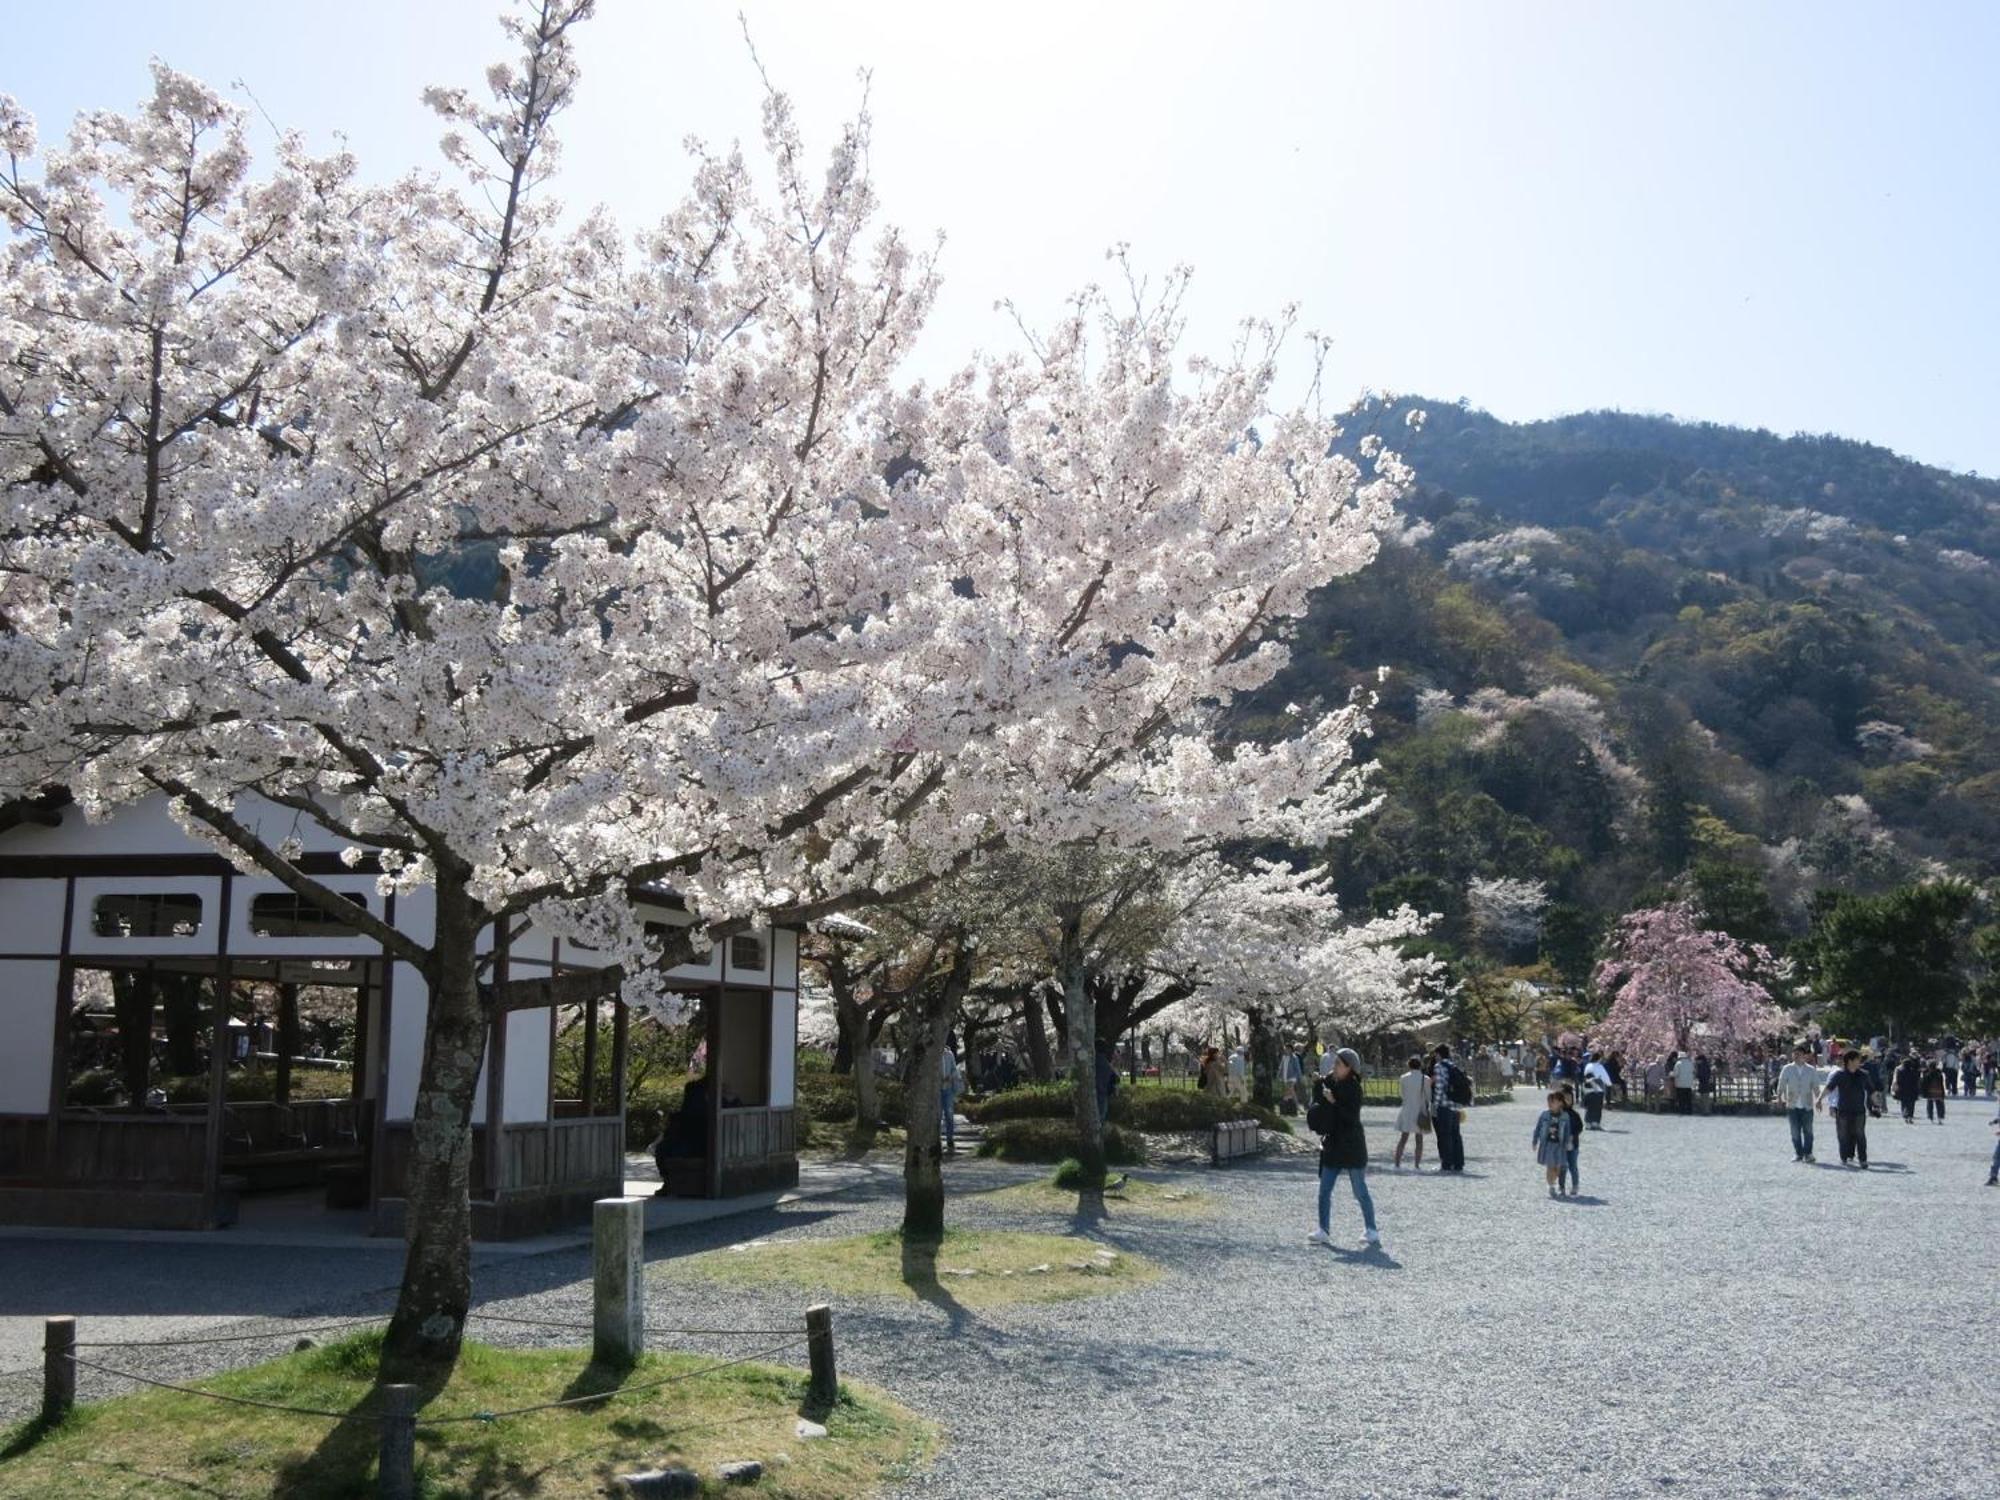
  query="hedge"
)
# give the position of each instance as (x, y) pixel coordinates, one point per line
(1054, 1141)
(1151, 1110)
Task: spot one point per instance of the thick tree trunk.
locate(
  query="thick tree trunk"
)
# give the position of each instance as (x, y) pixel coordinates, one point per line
(1082, 1051)
(1041, 1066)
(429, 1322)
(132, 996)
(929, 1019)
(847, 1024)
(288, 1041)
(1263, 1060)
(867, 1105)
(1058, 1028)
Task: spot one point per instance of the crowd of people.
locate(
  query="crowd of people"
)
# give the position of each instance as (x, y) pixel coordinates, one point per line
(1848, 1083)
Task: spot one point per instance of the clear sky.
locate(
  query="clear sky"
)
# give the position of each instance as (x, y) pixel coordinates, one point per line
(1782, 214)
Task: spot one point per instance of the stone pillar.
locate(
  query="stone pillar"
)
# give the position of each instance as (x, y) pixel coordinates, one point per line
(618, 1261)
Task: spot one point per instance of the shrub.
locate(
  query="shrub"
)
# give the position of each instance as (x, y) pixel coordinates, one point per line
(1069, 1173)
(1187, 1109)
(1054, 1141)
(1028, 1101)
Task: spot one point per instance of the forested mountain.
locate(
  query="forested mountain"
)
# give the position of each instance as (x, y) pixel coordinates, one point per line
(1626, 651)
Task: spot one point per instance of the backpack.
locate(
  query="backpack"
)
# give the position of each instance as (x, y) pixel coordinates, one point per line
(1458, 1086)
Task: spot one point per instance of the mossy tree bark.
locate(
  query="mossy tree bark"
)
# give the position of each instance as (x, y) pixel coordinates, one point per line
(928, 1019)
(1071, 961)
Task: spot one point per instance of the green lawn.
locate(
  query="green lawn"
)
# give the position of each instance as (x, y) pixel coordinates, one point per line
(165, 1444)
(983, 1268)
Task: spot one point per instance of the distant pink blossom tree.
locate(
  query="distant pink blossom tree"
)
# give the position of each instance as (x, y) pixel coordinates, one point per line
(1675, 985)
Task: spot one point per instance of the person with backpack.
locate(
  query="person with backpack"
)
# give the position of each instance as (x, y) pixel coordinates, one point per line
(1451, 1092)
(1335, 1117)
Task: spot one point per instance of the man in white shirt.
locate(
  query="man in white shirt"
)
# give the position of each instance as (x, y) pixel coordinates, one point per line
(1291, 1072)
(1798, 1088)
(1684, 1083)
(1238, 1088)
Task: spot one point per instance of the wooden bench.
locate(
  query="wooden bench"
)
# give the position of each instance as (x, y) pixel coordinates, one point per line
(1232, 1139)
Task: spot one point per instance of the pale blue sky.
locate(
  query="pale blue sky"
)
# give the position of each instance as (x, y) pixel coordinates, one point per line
(1777, 214)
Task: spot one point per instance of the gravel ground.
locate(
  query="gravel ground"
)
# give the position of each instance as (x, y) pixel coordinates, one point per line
(1708, 1319)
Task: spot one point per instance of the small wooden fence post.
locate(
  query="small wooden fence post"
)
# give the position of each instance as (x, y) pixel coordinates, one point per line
(58, 1368)
(618, 1265)
(825, 1384)
(396, 1466)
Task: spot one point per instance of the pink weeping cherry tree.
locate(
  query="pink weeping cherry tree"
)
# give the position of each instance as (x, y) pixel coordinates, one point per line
(1675, 985)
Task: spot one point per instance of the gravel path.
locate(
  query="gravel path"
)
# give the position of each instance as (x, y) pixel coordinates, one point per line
(1709, 1319)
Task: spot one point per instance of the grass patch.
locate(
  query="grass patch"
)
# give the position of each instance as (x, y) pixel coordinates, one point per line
(1136, 1199)
(162, 1443)
(982, 1268)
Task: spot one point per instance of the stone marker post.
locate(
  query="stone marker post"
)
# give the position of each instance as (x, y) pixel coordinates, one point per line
(58, 1368)
(825, 1386)
(396, 1459)
(618, 1260)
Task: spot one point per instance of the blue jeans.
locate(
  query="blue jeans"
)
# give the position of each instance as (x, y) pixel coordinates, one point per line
(946, 1099)
(1569, 1168)
(1358, 1177)
(1996, 1160)
(1802, 1123)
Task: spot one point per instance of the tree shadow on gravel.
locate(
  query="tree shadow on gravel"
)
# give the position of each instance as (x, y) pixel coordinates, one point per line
(1585, 1200)
(920, 1275)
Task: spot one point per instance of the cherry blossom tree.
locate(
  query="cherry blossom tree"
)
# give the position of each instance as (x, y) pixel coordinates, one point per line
(1674, 985)
(1506, 913)
(544, 565)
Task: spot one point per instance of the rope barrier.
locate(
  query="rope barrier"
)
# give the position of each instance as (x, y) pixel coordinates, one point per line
(188, 1390)
(611, 1395)
(230, 1338)
(586, 1327)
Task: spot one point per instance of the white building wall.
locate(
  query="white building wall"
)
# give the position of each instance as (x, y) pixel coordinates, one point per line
(527, 1093)
(31, 915)
(84, 941)
(28, 1031)
(784, 1048)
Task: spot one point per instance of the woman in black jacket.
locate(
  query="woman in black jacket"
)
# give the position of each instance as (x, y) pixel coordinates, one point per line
(1908, 1088)
(1335, 1117)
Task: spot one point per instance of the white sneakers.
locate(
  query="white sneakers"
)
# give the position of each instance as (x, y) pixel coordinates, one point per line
(1319, 1237)
(1370, 1237)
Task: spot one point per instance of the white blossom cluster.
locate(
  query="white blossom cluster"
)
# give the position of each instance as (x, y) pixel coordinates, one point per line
(559, 562)
(1810, 525)
(1506, 912)
(1510, 557)
(1893, 743)
(1493, 709)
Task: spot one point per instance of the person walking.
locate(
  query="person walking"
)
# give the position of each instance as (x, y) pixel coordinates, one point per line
(1907, 1086)
(1951, 1070)
(1239, 1087)
(1413, 1117)
(1848, 1089)
(1933, 1087)
(1993, 1172)
(1445, 1110)
(1596, 1088)
(1683, 1083)
(1555, 1128)
(949, 1079)
(1704, 1081)
(1291, 1072)
(1335, 1117)
(1798, 1090)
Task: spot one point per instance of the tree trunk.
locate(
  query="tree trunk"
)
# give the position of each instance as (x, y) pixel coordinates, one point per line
(429, 1322)
(1058, 1028)
(1082, 1050)
(132, 1003)
(928, 1020)
(867, 1106)
(846, 1024)
(1041, 1067)
(288, 1041)
(1263, 1060)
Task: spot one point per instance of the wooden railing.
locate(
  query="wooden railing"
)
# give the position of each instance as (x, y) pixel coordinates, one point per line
(24, 1147)
(150, 1150)
(562, 1153)
(757, 1134)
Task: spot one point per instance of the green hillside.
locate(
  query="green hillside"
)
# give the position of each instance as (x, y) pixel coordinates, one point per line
(1625, 650)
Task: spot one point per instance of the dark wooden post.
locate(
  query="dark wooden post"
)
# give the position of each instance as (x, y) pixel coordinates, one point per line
(288, 1042)
(396, 1461)
(825, 1383)
(589, 1085)
(58, 1368)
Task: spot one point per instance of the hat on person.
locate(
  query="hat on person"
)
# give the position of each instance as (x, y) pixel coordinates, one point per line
(1352, 1058)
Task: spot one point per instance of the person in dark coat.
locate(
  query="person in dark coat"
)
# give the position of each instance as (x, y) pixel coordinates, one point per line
(1335, 1117)
(1933, 1088)
(1908, 1087)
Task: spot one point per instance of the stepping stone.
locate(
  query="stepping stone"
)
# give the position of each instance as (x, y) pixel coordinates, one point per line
(660, 1484)
(740, 1471)
(805, 1431)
